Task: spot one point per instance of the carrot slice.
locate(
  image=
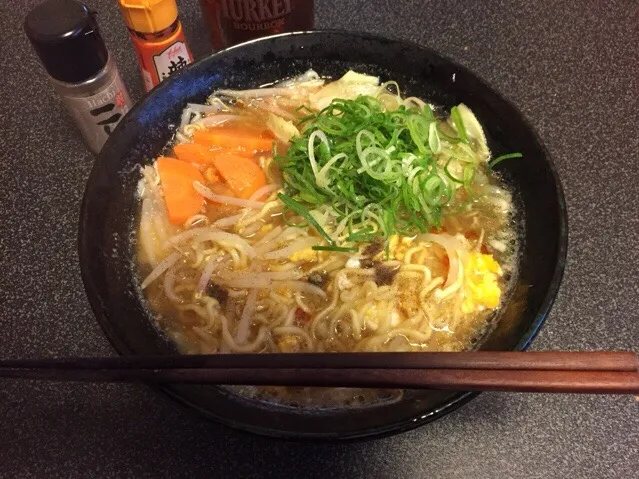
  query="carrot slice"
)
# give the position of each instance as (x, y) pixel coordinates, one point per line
(181, 199)
(203, 154)
(193, 153)
(240, 152)
(243, 176)
(212, 176)
(245, 140)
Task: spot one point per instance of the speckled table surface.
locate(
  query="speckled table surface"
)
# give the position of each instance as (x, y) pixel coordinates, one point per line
(572, 68)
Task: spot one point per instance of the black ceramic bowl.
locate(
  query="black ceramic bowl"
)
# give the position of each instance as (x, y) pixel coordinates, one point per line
(109, 210)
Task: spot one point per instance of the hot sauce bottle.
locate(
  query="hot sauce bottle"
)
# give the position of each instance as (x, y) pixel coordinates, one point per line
(158, 38)
(236, 21)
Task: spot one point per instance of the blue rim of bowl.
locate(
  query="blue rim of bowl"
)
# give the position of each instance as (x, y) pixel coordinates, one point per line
(404, 425)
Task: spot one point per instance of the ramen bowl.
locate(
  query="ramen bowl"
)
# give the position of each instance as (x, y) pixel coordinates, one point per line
(110, 207)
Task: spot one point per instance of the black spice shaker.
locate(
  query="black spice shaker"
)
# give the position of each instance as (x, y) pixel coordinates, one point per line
(66, 37)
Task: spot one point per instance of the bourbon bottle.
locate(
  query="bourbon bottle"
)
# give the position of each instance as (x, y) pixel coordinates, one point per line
(236, 21)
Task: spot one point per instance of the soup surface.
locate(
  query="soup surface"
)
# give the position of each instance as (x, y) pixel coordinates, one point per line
(317, 216)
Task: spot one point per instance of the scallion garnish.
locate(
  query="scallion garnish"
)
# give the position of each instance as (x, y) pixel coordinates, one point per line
(376, 171)
(499, 159)
(459, 124)
(340, 249)
(305, 213)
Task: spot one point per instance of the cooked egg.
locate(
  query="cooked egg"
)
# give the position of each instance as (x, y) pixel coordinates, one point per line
(266, 228)
(306, 254)
(283, 291)
(482, 290)
(289, 344)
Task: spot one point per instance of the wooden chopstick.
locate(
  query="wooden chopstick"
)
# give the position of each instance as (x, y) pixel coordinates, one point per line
(534, 360)
(585, 372)
(592, 382)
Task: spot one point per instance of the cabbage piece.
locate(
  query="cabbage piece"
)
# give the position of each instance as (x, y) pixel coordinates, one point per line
(282, 129)
(349, 87)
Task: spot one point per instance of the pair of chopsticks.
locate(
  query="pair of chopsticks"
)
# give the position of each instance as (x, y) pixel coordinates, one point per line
(606, 372)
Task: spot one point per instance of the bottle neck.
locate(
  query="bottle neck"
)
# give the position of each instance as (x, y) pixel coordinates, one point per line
(157, 36)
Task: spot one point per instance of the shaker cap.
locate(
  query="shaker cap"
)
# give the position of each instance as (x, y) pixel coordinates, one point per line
(66, 37)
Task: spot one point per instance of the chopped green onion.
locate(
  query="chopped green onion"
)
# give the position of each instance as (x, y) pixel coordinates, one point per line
(469, 176)
(340, 249)
(361, 234)
(418, 127)
(450, 175)
(375, 171)
(459, 124)
(433, 138)
(303, 211)
(499, 159)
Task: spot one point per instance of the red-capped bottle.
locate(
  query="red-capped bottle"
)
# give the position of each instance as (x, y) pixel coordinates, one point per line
(158, 38)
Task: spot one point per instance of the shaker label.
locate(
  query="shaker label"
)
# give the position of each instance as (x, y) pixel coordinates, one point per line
(172, 59)
(98, 115)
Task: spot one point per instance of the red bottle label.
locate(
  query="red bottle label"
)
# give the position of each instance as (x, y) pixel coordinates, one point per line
(160, 59)
(235, 21)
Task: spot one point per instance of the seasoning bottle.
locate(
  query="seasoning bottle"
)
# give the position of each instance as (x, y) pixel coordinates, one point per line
(236, 21)
(158, 38)
(66, 37)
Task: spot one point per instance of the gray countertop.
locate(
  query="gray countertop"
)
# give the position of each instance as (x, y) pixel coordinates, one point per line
(572, 68)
